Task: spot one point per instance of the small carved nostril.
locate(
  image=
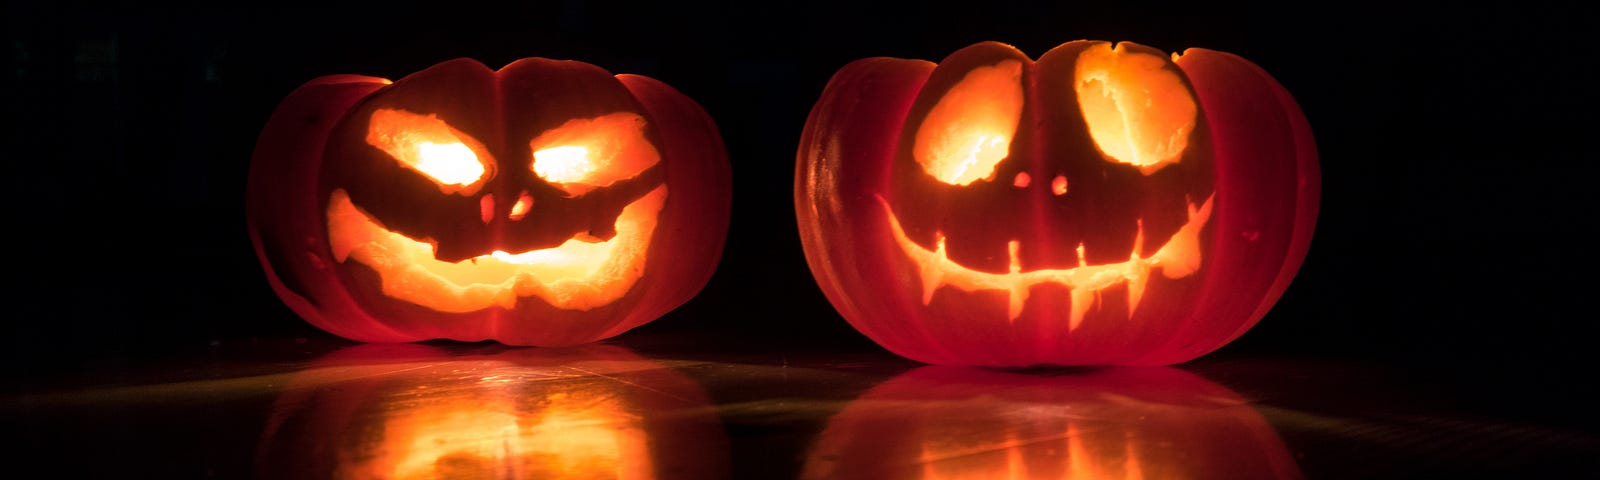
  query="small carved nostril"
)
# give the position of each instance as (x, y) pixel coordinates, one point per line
(1059, 185)
(486, 208)
(520, 209)
(1022, 180)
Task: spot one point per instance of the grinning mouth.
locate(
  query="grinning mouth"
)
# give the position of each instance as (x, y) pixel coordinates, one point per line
(1179, 258)
(575, 275)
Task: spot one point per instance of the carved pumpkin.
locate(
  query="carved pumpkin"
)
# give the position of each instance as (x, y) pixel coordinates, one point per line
(956, 423)
(416, 412)
(547, 203)
(1101, 205)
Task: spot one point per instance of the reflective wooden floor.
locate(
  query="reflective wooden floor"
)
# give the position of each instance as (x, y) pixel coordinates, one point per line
(664, 407)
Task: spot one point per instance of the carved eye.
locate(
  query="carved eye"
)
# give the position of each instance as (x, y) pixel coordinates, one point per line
(428, 145)
(1138, 109)
(969, 130)
(588, 153)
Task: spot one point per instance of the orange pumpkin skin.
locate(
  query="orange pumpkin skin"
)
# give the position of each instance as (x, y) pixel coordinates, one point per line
(1071, 251)
(340, 187)
(940, 422)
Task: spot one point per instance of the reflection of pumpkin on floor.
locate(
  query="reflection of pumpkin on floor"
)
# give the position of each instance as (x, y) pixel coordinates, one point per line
(1101, 205)
(546, 203)
(414, 412)
(936, 423)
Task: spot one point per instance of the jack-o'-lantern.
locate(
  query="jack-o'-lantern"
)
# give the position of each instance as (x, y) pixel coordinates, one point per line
(1105, 204)
(416, 412)
(546, 203)
(938, 422)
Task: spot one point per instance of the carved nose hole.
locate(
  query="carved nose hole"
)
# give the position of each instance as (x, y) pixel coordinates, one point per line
(486, 208)
(1022, 180)
(520, 209)
(1058, 186)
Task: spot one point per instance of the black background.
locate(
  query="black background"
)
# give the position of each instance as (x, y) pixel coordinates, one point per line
(1455, 238)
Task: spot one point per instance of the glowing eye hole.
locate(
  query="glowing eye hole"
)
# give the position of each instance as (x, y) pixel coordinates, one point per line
(970, 130)
(449, 163)
(428, 145)
(563, 164)
(588, 153)
(1138, 109)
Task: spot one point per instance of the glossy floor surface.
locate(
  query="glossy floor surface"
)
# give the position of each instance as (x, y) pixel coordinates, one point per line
(664, 407)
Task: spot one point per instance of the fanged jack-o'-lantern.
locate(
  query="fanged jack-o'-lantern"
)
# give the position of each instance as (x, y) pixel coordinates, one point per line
(1105, 204)
(546, 203)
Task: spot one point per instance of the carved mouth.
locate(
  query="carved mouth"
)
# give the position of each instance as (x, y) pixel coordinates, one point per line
(1179, 258)
(575, 275)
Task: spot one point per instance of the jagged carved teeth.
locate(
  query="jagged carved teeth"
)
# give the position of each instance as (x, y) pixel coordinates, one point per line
(1179, 258)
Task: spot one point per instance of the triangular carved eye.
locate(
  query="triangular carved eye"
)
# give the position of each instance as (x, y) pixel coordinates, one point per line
(1138, 109)
(969, 131)
(430, 146)
(588, 153)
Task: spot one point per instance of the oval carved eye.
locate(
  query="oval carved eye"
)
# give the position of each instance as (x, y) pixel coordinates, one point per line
(588, 153)
(1139, 111)
(428, 145)
(969, 130)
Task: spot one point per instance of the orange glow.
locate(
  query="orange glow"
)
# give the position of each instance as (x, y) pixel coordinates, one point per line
(588, 153)
(970, 130)
(950, 423)
(563, 164)
(1058, 186)
(1022, 180)
(1179, 258)
(428, 145)
(520, 209)
(450, 163)
(950, 460)
(579, 434)
(575, 275)
(1138, 109)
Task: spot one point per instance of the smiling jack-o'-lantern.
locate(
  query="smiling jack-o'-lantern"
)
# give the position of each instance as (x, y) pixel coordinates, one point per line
(1101, 205)
(547, 203)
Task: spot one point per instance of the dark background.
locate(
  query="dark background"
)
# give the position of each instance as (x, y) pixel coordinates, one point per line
(1455, 236)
